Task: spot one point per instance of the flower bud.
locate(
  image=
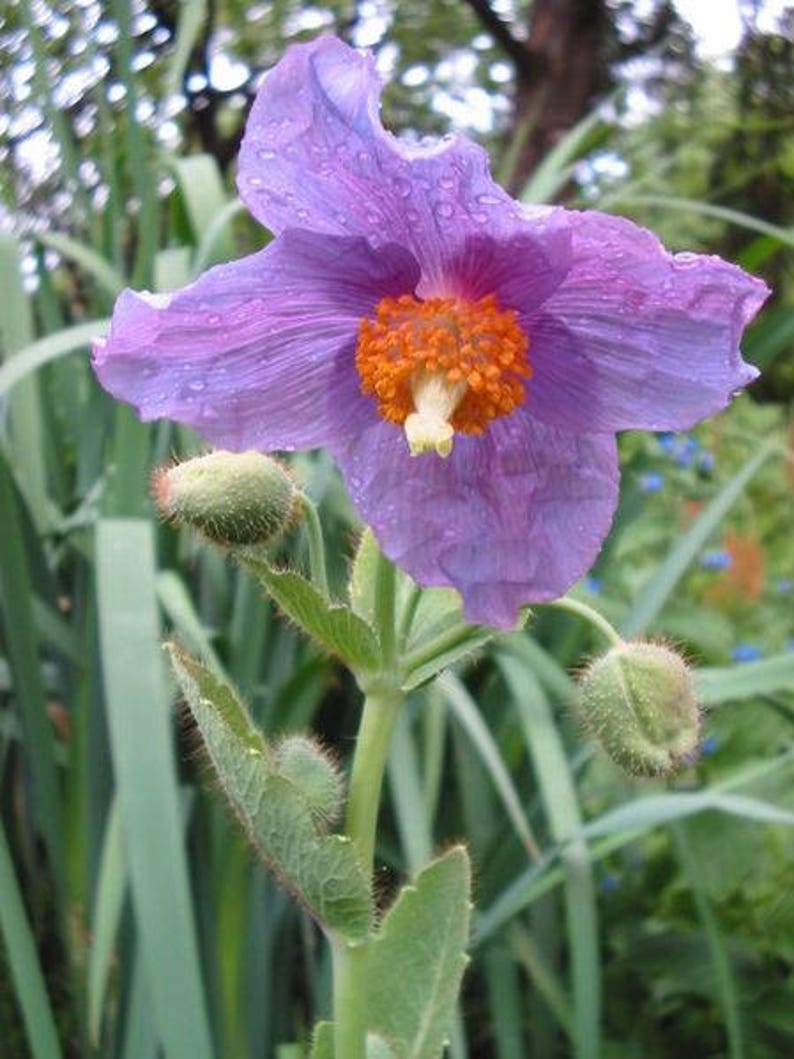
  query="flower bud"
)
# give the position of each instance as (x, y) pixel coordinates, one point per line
(232, 498)
(639, 700)
(310, 768)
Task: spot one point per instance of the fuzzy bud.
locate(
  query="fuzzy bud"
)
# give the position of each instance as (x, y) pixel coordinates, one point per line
(639, 700)
(310, 768)
(233, 498)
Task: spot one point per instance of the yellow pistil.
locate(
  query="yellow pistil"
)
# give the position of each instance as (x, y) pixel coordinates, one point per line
(442, 366)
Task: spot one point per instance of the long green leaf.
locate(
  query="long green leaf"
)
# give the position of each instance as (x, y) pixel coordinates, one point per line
(707, 209)
(111, 888)
(45, 350)
(93, 264)
(558, 792)
(140, 723)
(22, 646)
(764, 677)
(23, 962)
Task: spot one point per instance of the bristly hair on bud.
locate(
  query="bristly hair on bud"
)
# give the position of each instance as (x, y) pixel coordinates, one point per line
(308, 766)
(234, 499)
(639, 701)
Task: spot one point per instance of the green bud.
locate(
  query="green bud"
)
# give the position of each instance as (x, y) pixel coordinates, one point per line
(639, 700)
(232, 498)
(311, 769)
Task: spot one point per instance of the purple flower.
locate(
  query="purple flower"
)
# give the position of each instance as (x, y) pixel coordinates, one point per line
(467, 359)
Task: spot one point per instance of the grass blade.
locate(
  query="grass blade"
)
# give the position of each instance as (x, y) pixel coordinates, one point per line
(558, 792)
(111, 888)
(466, 712)
(139, 720)
(24, 963)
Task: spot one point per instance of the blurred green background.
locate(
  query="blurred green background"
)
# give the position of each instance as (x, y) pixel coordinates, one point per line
(658, 920)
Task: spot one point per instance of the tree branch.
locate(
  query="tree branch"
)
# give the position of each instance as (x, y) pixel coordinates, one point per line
(525, 62)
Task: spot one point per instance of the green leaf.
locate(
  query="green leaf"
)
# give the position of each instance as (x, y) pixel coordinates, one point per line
(332, 625)
(37, 354)
(646, 813)
(322, 871)
(204, 194)
(140, 724)
(416, 963)
(93, 264)
(323, 1047)
(111, 888)
(23, 962)
(765, 677)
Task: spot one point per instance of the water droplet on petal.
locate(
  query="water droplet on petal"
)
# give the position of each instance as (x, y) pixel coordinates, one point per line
(488, 200)
(213, 319)
(445, 209)
(479, 217)
(255, 181)
(196, 385)
(265, 155)
(447, 182)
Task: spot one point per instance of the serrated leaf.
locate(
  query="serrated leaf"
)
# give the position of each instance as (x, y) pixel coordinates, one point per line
(322, 871)
(333, 626)
(417, 961)
(323, 1048)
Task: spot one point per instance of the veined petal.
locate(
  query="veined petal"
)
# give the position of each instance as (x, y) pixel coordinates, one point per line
(512, 517)
(316, 155)
(258, 353)
(638, 337)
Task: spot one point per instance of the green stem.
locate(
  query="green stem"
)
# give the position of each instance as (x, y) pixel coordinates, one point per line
(314, 533)
(598, 621)
(366, 780)
(380, 712)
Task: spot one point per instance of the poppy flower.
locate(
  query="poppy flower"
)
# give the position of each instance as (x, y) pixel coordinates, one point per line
(466, 358)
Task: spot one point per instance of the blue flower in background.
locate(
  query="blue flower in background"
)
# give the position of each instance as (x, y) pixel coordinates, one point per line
(717, 559)
(609, 884)
(709, 746)
(594, 585)
(651, 482)
(706, 461)
(746, 652)
(784, 585)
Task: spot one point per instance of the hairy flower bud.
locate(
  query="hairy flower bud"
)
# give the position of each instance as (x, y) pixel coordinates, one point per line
(310, 768)
(639, 700)
(232, 498)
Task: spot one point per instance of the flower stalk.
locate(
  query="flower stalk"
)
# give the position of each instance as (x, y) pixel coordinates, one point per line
(381, 708)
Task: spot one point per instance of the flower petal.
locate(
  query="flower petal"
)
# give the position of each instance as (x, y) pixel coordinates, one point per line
(316, 155)
(638, 337)
(258, 353)
(512, 517)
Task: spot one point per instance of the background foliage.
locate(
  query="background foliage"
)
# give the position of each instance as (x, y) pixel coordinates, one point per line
(616, 918)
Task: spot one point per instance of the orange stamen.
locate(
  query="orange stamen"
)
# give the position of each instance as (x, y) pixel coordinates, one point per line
(471, 357)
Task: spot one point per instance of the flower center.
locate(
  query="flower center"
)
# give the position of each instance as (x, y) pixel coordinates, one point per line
(442, 366)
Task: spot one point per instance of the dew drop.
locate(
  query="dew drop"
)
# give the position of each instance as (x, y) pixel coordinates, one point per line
(479, 217)
(446, 182)
(255, 181)
(196, 385)
(445, 209)
(265, 155)
(488, 200)
(302, 215)
(213, 319)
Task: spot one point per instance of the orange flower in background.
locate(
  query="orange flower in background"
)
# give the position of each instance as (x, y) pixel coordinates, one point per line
(744, 576)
